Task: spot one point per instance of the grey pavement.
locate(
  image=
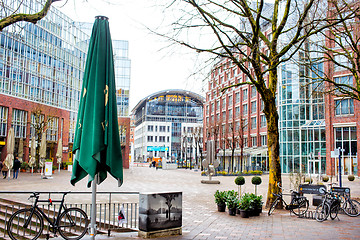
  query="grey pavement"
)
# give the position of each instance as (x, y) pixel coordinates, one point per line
(200, 217)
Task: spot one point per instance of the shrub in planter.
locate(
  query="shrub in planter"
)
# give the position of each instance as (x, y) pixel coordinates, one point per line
(351, 177)
(256, 204)
(308, 180)
(24, 166)
(240, 180)
(325, 178)
(232, 202)
(220, 200)
(245, 205)
(256, 181)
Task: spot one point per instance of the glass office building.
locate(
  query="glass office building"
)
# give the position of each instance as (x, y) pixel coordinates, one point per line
(41, 68)
(161, 119)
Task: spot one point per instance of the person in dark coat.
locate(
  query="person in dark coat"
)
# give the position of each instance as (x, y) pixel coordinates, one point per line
(16, 168)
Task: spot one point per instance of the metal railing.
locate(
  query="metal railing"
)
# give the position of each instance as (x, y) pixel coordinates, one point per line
(107, 209)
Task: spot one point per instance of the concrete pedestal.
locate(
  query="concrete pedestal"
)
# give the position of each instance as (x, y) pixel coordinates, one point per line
(160, 233)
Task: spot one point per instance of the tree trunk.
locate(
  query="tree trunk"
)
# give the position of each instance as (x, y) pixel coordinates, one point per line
(272, 118)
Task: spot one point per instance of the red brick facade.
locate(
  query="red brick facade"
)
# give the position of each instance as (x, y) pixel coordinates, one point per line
(28, 106)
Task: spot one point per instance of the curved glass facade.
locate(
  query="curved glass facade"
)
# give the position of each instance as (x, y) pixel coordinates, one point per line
(162, 118)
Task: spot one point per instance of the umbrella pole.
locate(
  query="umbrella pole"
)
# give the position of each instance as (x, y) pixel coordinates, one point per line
(32, 170)
(93, 210)
(59, 167)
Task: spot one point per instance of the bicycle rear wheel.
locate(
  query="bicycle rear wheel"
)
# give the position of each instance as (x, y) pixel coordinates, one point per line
(303, 204)
(273, 205)
(351, 208)
(23, 225)
(322, 212)
(73, 224)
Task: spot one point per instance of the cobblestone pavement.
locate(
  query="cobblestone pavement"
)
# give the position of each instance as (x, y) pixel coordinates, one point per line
(200, 217)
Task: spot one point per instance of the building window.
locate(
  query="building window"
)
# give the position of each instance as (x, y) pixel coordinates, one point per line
(162, 128)
(346, 80)
(52, 129)
(344, 106)
(253, 91)
(155, 139)
(253, 107)
(3, 120)
(346, 138)
(207, 110)
(245, 141)
(245, 124)
(149, 138)
(237, 98)
(156, 128)
(168, 139)
(261, 105)
(223, 103)
(263, 140)
(253, 122)
(161, 138)
(342, 61)
(237, 112)
(168, 128)
(230, 114)
(19, 120)
(218, 105)
(245, 109)
(262, 121)
(245, 95)
(150, 128)
(224, 116)
(218, 117)
(230, 100)
(212, 108)
(253, 141)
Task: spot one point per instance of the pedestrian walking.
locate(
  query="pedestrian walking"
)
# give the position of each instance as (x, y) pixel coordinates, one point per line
(4, 170)
(16, 168)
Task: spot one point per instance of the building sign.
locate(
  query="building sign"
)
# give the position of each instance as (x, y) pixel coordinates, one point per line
(171, 98)
(156, 148)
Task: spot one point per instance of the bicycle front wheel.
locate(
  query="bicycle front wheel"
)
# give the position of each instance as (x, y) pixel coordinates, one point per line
(351, 208)
(303, 206)
(322, 212)
(24, 225)
(273, 205)
(73, 224)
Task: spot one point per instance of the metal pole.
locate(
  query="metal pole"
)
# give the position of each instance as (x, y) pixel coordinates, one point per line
(340, 184)
(93, 210)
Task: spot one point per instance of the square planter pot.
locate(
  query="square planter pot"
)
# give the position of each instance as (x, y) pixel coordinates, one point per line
(244, 214)
(232, 211)
(221, 207)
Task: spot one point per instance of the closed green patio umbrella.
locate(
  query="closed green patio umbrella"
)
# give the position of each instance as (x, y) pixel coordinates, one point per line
(97, 142)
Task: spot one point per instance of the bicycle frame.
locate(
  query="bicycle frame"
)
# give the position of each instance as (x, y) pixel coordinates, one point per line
(36, 208)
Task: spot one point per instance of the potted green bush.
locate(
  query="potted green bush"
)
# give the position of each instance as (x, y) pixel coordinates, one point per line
(220, 200)
(240, 180)
(232, 202)
(351, 177)
(256, 181)
(245, 205)
(325, 178)
(24, 166)
(256, 204)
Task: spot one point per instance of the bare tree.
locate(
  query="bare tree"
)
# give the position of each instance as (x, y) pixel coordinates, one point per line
(231, 142)
(40, 124)
(256, 37)
(15, 16)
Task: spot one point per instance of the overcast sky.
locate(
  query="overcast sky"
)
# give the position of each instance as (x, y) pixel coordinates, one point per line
(154, 66)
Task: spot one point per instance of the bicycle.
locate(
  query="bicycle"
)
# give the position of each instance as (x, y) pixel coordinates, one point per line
(297, 202)
(350, 206)
(28, 223)
(329, 206)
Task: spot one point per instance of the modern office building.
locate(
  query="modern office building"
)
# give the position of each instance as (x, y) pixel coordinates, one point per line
(311, 124)
(41, 69)
(165, 123)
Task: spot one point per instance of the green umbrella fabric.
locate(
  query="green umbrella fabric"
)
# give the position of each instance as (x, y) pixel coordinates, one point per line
(97, 143)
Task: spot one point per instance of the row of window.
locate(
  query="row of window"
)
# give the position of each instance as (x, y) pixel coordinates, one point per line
(155, 138)
(19, 123)
(150, 128)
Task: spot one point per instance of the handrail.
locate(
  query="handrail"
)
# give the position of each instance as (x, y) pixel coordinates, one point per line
(61, 192)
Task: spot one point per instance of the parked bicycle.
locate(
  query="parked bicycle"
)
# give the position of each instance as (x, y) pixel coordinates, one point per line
(330, 206)
(350, 206)
(298, 204)
(71, 223)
